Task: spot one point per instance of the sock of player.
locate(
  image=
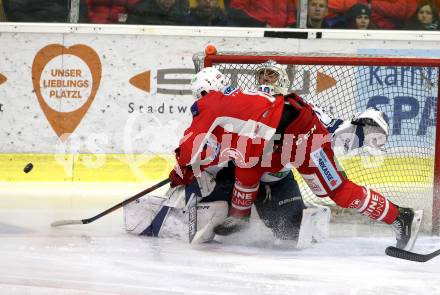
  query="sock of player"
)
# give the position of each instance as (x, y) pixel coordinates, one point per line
(378, 207)
(242, 199)
(368, 202)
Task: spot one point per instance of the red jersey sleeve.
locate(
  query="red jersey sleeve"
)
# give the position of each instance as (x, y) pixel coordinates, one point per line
(196, 135)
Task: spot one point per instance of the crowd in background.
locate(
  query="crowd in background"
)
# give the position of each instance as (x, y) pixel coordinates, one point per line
(338, 14)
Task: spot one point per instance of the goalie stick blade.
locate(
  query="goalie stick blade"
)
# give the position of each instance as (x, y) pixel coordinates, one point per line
(402, 254)
(65, 222)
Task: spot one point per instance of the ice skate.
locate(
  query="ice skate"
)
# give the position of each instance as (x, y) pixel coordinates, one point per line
(231, 225)
(406, 226)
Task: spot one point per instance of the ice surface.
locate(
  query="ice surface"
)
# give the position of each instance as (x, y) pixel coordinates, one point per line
(99, 258)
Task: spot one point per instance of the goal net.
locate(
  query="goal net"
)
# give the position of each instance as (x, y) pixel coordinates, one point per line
(405, 89)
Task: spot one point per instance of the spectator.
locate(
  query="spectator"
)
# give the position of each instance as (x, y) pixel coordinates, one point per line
(436, 3)
(358, 17)
(259, 13)
(425, 17)
(207, 13)
(317, 10)
(109, 11)
(338, 8)
(239, 14)
(391, 14)
(2, 12)
(42, 11)
(158, 12)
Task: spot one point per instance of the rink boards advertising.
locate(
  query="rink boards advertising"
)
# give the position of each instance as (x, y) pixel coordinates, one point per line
(78, 104)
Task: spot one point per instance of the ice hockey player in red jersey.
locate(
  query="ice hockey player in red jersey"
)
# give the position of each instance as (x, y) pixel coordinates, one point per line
(262, 133)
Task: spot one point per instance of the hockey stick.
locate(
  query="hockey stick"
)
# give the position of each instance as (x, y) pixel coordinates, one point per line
(402, 254)
(115, 207)
(192, 217)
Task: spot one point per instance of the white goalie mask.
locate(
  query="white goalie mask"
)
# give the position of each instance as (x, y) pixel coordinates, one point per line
(272, 78)
(207, 80)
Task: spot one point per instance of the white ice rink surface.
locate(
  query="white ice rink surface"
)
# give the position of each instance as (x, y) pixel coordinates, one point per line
(99, 258)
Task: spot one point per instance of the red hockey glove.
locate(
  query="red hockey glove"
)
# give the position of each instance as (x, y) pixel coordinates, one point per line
(181, 175)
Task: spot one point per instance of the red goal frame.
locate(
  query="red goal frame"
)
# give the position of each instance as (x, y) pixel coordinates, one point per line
(215, 58)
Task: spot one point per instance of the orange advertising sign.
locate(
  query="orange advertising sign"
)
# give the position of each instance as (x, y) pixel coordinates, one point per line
(141, 81)
(66, 81)
(324, 82)
(2, 79)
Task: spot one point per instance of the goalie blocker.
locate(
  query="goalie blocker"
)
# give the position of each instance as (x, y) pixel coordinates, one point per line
(168, 216)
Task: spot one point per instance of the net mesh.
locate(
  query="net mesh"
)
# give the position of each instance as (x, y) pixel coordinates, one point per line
(403, 171)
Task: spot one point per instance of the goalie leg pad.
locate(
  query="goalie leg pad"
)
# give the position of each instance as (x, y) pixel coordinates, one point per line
(209, 215)
(139, 215)
(151, 217)
(315, 226)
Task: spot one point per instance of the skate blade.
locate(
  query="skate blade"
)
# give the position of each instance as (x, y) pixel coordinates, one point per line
(415, 227)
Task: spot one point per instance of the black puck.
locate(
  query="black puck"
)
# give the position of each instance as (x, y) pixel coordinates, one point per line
(28, 167)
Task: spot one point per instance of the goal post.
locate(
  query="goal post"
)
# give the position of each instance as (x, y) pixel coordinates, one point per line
(406, 89)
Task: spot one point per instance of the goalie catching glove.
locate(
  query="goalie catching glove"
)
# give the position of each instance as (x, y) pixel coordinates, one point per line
(368, 128)
(373, 121)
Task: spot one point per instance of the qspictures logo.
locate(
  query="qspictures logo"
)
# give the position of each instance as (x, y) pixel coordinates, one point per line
(66, 80)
